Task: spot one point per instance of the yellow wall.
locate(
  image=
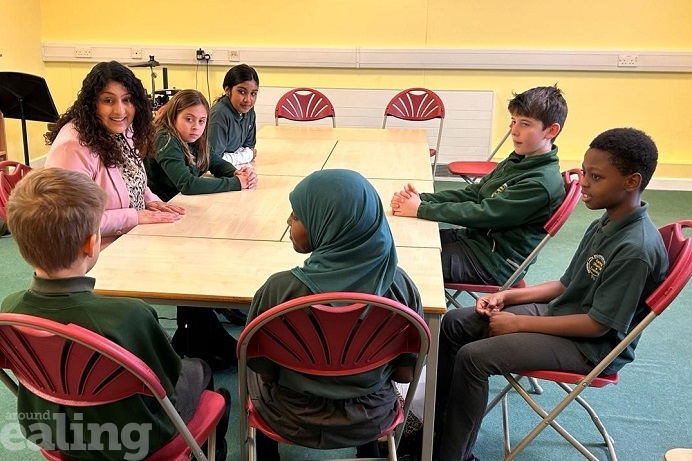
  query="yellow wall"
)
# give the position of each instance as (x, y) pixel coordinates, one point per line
(20, 47)
(654, 102)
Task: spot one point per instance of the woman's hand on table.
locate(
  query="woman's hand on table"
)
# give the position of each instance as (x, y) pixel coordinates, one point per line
(153, 217)
(165, 207)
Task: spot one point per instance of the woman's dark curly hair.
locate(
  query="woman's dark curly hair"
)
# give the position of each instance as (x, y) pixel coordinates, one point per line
(92, 132)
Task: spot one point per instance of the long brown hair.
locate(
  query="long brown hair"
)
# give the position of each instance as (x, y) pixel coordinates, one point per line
(92, 132)
(165, 121)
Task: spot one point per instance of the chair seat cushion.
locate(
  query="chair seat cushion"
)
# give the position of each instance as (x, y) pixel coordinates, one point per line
(570, 378)
(471, 168)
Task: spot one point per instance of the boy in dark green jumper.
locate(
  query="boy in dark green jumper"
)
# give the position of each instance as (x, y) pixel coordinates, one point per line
(54, 216)
(503, 214)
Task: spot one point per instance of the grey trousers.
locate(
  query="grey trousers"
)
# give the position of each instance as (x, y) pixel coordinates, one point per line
(468, 357)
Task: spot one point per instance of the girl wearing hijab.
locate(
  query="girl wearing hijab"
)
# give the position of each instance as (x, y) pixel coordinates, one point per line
(337, 217)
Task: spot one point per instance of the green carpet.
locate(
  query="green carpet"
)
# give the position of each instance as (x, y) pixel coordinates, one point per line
(647, 413)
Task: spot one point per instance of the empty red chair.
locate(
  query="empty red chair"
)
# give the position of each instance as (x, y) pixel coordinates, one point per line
(304, 105)
(416, 105)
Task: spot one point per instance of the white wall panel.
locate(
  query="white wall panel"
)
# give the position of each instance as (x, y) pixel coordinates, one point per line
(466, 131)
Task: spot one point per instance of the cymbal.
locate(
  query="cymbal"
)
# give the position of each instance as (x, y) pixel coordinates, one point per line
(150, 63)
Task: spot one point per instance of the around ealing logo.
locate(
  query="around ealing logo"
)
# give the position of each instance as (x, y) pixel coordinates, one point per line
(35, 431)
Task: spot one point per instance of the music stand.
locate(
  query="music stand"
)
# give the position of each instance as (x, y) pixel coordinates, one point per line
(26, 97)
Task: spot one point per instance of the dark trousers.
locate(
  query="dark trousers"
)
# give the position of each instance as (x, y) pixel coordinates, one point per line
(467, 358)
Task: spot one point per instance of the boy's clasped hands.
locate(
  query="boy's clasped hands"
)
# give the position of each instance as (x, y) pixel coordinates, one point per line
(247, 176)
(406, 201)
(500, 322)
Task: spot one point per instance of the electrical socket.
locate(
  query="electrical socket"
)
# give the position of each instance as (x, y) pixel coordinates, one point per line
(82, 52)
(202, 55)
(136, 53)
(628, 60)
(234, 55)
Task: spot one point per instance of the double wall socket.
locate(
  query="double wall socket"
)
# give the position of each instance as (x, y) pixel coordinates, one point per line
(82, 52)
(202, 55)
(234, 56)
(628, 60)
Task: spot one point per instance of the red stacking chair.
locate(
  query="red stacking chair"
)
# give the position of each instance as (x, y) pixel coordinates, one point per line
(470, 170)
(572, 180)
(307, 335)
(72, 366)
(417, 105)
(10, 174)
(304, 105)
(679, 273)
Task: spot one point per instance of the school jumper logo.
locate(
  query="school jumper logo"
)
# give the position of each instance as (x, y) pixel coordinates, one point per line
(500, 189)
(594, 265)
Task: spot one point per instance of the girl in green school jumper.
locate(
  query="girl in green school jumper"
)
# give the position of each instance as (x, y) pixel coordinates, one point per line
(182, 153)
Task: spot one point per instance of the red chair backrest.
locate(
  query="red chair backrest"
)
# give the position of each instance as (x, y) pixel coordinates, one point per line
(304, 105)
(416, 104)
(10, 174)
(572, 179)
(679, 250)
(71, 365)
(310, 336)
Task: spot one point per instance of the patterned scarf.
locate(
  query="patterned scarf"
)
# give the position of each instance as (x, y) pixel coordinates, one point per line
(132, 171)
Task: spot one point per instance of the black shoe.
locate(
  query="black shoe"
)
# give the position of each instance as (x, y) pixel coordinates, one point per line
(235, 316)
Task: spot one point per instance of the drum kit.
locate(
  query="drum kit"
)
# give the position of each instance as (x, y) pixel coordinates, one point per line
(158, 98)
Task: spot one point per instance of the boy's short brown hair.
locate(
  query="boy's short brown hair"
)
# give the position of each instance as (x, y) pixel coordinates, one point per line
(544, 103)
(51, 214)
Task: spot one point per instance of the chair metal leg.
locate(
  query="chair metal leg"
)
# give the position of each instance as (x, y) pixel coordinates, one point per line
(251, 444)
(391, 446)
(535, 387)
(607, 439)
(548, 419)
(497, 399)
(211, 446)
(500, 395)
(452, 298)
(505, 423)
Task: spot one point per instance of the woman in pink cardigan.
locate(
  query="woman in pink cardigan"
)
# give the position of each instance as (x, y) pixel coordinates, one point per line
(106, 134)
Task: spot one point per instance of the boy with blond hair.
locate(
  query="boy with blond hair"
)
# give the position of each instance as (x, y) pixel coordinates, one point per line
(54, 216)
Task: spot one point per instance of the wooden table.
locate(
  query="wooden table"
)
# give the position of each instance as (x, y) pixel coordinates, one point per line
(292, 156)
(228, 244)
(216, 272)
(255, 214)
(383, 160)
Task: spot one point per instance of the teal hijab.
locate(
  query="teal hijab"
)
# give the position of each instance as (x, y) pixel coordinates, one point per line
(352, 245)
